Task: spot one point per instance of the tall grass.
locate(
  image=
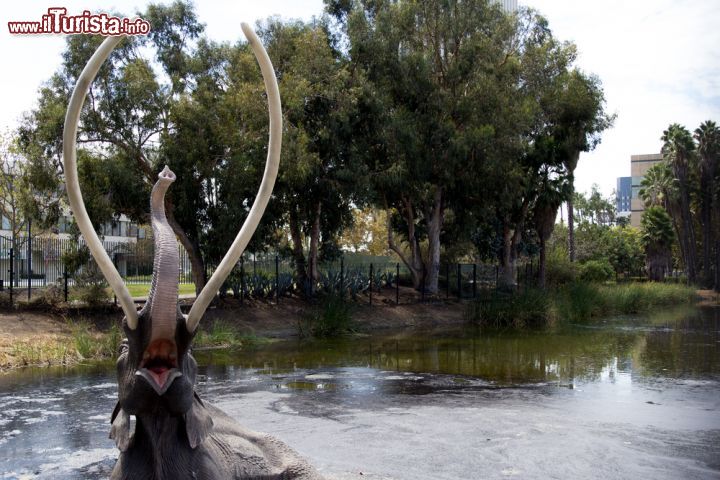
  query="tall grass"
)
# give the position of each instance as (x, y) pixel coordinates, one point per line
(93, 345)
(222, 334)
(331, 318)
(581, 302)
(576, 302)
(524, 309)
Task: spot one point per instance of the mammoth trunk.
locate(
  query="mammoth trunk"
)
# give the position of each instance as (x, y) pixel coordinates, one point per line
(164, 289)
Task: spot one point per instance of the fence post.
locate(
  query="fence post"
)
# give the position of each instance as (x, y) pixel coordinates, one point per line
(65, 282)
(371, 283)
(342, 277)
(397, 283)
(242, 280)
(474, 280)
(277, 279)
(29, 263)
(447, 280)
(12, 274)
(459, 281)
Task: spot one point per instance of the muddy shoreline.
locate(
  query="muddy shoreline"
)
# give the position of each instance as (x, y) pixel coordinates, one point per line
(30, 329)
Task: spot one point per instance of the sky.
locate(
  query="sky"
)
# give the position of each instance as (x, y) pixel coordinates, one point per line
(658, 61)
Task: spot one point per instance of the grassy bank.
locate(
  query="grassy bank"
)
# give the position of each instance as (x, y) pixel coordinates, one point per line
(84, 343)
(578, 302)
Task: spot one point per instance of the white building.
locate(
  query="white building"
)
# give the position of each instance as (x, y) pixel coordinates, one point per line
(45, 251)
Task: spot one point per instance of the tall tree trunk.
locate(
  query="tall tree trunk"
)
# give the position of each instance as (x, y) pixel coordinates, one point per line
(571, 226)
(571, 164)
(717, 265)
(414, 263)
(197, 264)
(314, 244)
(707, 226)
(507, 261)
(434, 225)
(543, 260)
(297, 250)
(689, 235)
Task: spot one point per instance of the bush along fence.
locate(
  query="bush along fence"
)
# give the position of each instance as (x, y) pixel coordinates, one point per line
(31, 264)
(270, 277)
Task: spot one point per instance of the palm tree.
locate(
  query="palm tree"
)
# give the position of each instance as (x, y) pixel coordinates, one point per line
(658, 186)
(553, 189)
(678, 150)
(657, 237)
(708, 149)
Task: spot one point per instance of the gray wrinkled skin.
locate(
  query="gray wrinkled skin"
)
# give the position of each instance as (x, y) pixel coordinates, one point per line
(176, 435)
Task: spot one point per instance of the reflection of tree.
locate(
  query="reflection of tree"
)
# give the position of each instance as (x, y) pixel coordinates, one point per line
(508, 358)
(690, 348)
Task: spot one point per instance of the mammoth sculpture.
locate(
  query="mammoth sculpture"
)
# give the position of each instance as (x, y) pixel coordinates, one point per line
(177, 435)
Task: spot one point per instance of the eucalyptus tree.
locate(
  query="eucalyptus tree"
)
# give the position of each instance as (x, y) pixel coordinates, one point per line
(678, 150)
(707, 136)
(444, 80)
(127, 115)
(582, 120)
(319, 183)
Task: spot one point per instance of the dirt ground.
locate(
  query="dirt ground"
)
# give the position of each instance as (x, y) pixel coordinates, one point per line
(708, 298)
(261, 318)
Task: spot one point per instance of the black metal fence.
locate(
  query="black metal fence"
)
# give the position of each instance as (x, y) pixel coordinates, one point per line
(28, 264)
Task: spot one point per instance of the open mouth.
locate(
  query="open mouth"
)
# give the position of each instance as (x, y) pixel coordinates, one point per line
(159, 365)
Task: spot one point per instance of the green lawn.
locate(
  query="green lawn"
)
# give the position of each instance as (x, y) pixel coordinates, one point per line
(142, 289)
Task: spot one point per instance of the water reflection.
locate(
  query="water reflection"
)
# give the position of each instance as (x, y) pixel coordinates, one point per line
(54, 422)
(688, 346)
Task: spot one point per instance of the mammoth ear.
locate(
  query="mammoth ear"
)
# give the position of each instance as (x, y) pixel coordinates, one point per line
(198, 422)
(120, 430)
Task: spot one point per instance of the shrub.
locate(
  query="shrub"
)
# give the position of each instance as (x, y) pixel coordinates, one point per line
(529, 308)
(329, 319)
(596, 271)
(54, 294)
(94, 294)
(581, 301)
(219, 334)
(578, 302)
(559, 270)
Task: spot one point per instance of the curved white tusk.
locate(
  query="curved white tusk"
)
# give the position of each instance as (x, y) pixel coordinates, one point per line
(266, 187)
(72, 117)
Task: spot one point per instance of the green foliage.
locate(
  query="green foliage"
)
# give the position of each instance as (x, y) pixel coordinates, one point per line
(524, 309)
(578, 302)
(594, 208)
(582, 301)
(331, 318)
(559, 270)
(91, 345)
(657, 238)
(596, 271)
(92, 293)
(620, 246)
(657, 232)
(219, 334)
(574, 302)
(624, 249)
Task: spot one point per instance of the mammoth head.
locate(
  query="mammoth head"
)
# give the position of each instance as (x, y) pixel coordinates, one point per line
(155, 369)
(156, 372)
